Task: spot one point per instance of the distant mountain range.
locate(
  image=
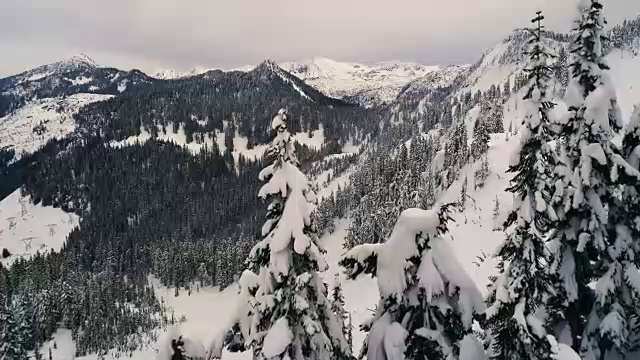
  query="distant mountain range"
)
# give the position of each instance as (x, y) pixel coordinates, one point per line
(369, 85)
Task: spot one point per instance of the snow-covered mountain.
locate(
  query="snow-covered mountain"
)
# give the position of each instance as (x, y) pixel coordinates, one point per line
(31, 126)
(79, 62)
(364, 84)
(172, 74)
(78, 74)
(441, 78)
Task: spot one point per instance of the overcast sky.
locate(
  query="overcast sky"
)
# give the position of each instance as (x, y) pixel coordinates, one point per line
(183, 34)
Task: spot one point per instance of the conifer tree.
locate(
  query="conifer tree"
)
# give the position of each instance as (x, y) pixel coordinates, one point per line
(496, 214)
(427, 302)
(562, 68)
(291, 315)
(337, 306)
(524, 283)
(480, 143)
(463, 194)
(587, 245)
(482, 173)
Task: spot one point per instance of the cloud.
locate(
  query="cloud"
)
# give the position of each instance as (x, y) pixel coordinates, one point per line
(183, 34)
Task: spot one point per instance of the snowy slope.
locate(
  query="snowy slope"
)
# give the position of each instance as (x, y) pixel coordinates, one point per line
(26, 228)
(440, 78)
(506, 59)
(625, 74)
(33, 125)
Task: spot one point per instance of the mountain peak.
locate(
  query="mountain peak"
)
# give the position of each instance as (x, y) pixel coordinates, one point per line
(80, 61)
(269, 64)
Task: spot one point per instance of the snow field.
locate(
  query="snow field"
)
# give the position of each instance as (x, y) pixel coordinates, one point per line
(26, 229)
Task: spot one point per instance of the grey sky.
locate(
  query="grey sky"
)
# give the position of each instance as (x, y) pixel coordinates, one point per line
(183, 34)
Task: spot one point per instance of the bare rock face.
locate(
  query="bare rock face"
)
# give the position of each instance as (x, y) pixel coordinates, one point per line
(5, 253)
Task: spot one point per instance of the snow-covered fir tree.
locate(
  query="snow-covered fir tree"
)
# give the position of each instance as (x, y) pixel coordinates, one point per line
(588, 244)
(290, 315)
(481, 175)
(524, 283)
(427, 301)
(480, 142)
(463, 194)
(337, 306)
(614, 323)
(496, 214)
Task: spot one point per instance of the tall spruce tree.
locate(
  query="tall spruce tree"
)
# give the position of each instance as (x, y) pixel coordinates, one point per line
(524, 282)
(480, 142)
(427, 301)
(291, 315)
(586, 243)
(613, 326)
(337, 306)
(463, 194)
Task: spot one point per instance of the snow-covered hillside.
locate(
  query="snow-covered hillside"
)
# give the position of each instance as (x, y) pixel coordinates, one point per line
(33, 125)
(506, 59)
(26, 228)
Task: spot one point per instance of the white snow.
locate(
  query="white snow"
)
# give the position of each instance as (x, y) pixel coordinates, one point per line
(56, 115)
(38, 76)
(471, 349)
(122, 86)
(315, 141)
(81, 80)
(277, 339)
(239, 142)
(625, 76)
(26, 229)
(565, 352)
(61, 346)
(401, 246)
